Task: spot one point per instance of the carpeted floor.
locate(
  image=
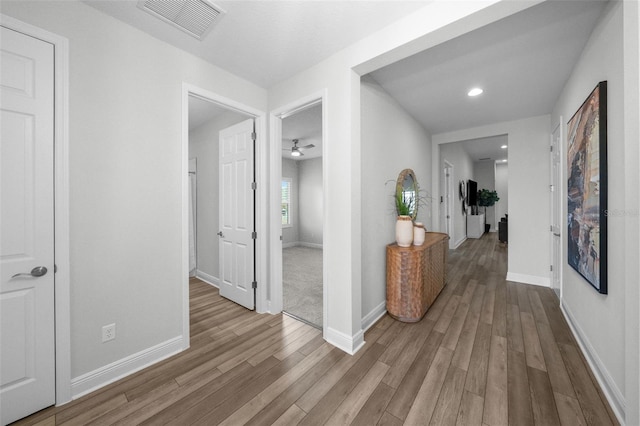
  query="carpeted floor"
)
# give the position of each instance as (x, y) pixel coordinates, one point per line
(302, 283)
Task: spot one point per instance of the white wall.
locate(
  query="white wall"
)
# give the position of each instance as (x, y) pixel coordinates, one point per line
(290, 234)
(455, 154)
(310, 204)
(502, 188)
(484, 173)
(339, 78)
(125, 121)
(600, 319)
(392, 141)
(204, 146)
(528, 193)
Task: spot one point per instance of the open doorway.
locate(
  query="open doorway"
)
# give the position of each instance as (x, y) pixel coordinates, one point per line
(483, 161)
(302, 215)
(221, 163)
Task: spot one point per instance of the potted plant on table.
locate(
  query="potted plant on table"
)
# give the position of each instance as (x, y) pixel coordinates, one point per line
(404, 225)
(487, 198)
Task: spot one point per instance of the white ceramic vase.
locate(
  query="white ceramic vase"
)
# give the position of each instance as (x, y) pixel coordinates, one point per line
(418, 234)
(404, 231)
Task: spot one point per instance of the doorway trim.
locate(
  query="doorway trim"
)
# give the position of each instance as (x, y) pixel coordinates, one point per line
(275, 122)
(555, 195)
(261, 211)
(62, 294)
(448, 201)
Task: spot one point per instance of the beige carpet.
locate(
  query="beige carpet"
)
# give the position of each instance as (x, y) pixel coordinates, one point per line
(302, 283)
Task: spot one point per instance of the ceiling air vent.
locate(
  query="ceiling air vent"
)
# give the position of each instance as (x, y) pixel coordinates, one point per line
(484, 159)
(194, 17)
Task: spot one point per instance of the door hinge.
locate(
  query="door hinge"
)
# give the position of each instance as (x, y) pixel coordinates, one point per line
(254, 185)
(55, 268)
(550, 228)
(254, 235)
(254, 284)
(551, 148)
(551, 268)
(254, 136)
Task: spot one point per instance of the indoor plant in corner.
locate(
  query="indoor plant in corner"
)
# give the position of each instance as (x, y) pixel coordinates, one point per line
(487, 198)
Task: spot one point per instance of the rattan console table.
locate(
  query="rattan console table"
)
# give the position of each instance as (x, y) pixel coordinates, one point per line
(415, 276)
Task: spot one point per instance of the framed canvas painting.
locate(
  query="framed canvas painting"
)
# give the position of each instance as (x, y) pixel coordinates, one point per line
(587, 189)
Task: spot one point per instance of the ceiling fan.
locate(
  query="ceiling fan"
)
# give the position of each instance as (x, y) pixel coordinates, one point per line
(296, 151)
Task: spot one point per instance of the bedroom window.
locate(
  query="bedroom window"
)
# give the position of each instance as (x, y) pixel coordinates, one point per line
(286, 202)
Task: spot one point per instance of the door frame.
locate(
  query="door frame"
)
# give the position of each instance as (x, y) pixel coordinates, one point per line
(275, 122)
(556, 196)
(448, 201)
(62, 293)
(261, 210)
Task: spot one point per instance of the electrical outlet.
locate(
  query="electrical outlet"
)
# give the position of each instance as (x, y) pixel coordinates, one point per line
(108, 332)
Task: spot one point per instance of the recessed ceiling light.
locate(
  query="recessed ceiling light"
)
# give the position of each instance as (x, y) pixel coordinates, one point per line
(504, 161)
(475, 91)
(504, 147)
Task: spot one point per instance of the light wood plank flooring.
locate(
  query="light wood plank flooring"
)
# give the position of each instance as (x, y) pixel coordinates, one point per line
(488, 352)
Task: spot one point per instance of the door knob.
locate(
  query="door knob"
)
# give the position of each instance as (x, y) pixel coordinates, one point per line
(221, 234)
(36, 272)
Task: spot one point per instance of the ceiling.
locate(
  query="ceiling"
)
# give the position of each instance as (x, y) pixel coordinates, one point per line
(487, 149)
(306, 126)
(522, 62)
(201, 111)
(267, 42)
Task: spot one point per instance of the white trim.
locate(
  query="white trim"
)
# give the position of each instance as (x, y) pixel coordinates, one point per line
(209, 279)
(61, 225)
(349, 344)
(372, 317)
(261, 198)
(528, 279)
(459, 243)
(110, 373)
(449, 200)
(276, 245)
(613, 394)
(310, 245)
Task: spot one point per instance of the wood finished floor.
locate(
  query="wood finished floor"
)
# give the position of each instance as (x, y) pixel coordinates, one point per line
(488, 352)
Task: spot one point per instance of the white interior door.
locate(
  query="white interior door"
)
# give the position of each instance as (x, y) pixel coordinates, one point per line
(556, 211)
(237, 214)
(27, 379)
(448, 197)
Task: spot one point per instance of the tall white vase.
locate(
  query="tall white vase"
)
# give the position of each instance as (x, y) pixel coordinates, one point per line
(418, 234)
(404, 231)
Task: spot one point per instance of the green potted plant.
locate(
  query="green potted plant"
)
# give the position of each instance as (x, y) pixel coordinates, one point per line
(487, 198)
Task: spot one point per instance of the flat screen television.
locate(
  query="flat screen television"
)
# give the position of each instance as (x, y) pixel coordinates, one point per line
(472, 193)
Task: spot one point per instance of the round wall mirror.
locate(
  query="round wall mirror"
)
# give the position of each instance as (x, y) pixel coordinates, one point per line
(407, 194)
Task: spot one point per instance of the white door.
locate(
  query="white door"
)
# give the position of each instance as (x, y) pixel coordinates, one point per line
(236, 214)
(448, 201)
(556, 211)
(27, 376)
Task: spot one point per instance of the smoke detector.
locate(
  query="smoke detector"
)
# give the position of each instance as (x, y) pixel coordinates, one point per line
(194, 17)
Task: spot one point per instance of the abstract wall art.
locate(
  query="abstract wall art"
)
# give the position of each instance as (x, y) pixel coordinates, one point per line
(587, 189)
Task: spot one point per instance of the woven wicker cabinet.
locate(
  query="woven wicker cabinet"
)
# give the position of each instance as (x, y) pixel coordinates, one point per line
(415, 276)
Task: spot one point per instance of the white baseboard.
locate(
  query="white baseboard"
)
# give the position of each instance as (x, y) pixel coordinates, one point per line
(529, 279)
(342, 341)
(103, 376)
(209, 279)
(611, 391)
(373, 316)
(310, 245)
(459, 243)
(302, 244)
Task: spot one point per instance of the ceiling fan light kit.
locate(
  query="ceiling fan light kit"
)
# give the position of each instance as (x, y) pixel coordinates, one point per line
(296, 150)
